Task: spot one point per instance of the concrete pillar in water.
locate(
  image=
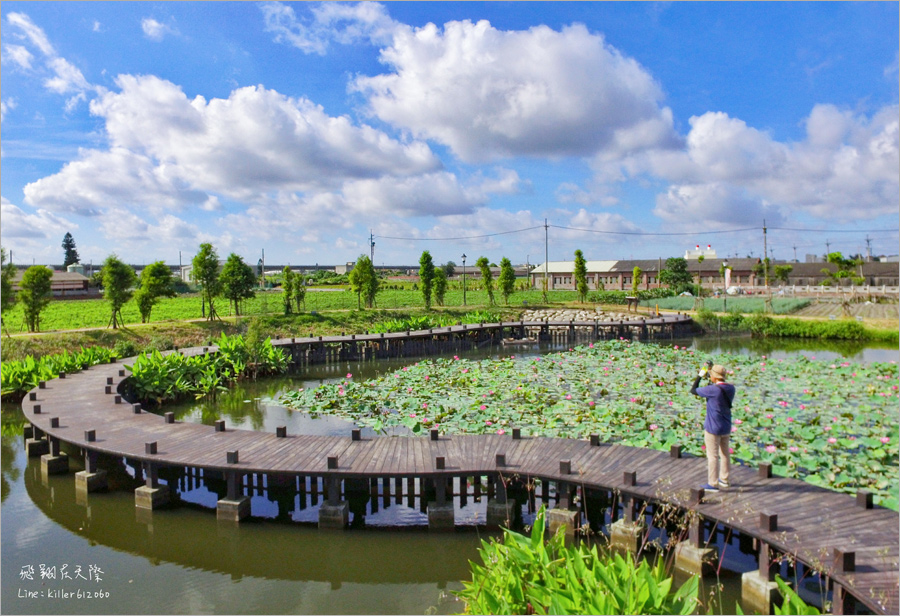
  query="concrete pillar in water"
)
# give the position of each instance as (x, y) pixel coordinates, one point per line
(562, 515)
(37, 447)
(91, 479)
(693, 557)
(501, 509)
(334, 513)
(627, 534)
(152, 495)
(235, 506)
(440, 511)
(759, 592)
(55, 462)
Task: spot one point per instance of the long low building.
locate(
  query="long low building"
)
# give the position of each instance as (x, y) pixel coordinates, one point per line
(617, 275)
(61, 284)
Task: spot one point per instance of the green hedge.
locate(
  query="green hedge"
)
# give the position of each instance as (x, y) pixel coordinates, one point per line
(764, 326)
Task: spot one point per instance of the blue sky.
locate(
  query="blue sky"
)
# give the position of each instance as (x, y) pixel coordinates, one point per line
(637, 130)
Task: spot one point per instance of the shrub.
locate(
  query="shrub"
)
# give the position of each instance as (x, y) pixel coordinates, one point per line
(523, 575)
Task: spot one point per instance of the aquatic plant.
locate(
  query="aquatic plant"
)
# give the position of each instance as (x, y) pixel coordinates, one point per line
(831, 423)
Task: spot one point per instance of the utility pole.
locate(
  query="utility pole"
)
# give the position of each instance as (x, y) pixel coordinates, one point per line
(371, 246)
(868, 249)
(827, 249)
(795, 253)
(546, 257)
(766, 267)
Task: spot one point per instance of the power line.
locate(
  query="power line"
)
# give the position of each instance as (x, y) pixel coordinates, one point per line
(835, 230)
(448, 239)
(648, 233)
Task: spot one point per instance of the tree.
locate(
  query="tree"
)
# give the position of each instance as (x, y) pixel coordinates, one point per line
(287, 289)
(34, 294)
(440, 286)
(675, 274)
(205, 272)
(299, 290)
(506, 282)
(237, 281)
(635, 280)
(580, 275)
(449, 269)
(156, 281)
(7, 297)
(487, 279)
(364, 280)
(700, 261)
(426, 277)
(763, 268)
(783, 273)
(846, 270)
(68, 245)
(118, 282)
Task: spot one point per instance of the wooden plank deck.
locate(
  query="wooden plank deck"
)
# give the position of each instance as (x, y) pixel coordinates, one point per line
(812, 521)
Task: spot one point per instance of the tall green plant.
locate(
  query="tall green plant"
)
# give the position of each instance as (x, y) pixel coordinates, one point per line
(205, 272)
(238, 281)
(528, 575)
(507, 280)
(580, 275)
(487, 278)
(426, 277)
(287, 289)
(440, 286)
(34, 294)
(635, 280)
(118, 282)
(156, 281)
(7, 297)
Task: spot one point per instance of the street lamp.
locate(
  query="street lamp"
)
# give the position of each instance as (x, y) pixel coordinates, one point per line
(464, 278)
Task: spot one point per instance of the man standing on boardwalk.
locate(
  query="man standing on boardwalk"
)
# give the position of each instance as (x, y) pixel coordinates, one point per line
(717, 427)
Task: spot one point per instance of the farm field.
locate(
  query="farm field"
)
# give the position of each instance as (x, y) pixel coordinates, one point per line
(743, 304)
(866, 311)
(80, 314)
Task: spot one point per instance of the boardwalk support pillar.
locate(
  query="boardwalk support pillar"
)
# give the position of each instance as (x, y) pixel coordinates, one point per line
(55, 462)
(235, 506)
(152, 495)
(500, 510)
(692, 556)
(91, 479)
(334, 513)
(627, 534)
(440, 511)
(562, 515)
(759, 592)
(37, 445)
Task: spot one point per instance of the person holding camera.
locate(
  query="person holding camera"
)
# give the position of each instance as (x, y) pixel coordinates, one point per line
(717, 427)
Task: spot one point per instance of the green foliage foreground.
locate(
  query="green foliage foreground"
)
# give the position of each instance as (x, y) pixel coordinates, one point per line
(528, 575)
(525, 575)
(830, 423)
(18, 377)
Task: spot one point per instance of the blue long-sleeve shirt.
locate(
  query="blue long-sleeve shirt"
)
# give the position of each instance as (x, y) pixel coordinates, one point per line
(719, 397)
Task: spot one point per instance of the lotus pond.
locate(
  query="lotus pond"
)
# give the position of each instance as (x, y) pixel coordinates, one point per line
(830, 422)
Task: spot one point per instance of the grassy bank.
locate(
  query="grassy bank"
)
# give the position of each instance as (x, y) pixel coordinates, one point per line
(764, 326)
(162, 336)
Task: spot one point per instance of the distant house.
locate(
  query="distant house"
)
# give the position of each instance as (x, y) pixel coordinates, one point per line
(61, 284)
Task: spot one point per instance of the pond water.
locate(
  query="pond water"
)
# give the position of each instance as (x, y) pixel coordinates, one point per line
(182, 561)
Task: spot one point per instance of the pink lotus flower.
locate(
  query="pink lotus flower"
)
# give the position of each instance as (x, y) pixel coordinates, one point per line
(671, 403)
(409, 390)
(482, 407)
(827, 428)
(790, 419)
(456, 358)
(802, 407)
(653, 426)
(349, 375)
(424, 405)
(427, 378)
(771, 448)
(413, 415)
(734, 428)
(731, 450)
(769, 415)
(832, 440)
(591, 345)
(465, 370)
(590, 403)
(661, 383)
(885, 439)
(501, 431)
(737, 421)
(568, 396)
(794, 448)
(703, 447)
(489, 423)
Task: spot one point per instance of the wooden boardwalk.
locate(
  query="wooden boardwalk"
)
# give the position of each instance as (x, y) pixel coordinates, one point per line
(811, 522)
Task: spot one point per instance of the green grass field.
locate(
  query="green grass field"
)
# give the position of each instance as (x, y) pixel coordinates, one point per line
(80, 314)
(744, 305)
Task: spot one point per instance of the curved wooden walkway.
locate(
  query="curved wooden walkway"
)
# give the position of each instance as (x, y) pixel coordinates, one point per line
(812, 523)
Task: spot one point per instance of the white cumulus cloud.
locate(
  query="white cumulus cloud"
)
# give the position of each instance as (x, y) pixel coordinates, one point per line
(155, 30)
(489, 93)
(340, 22)
(19, 55)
